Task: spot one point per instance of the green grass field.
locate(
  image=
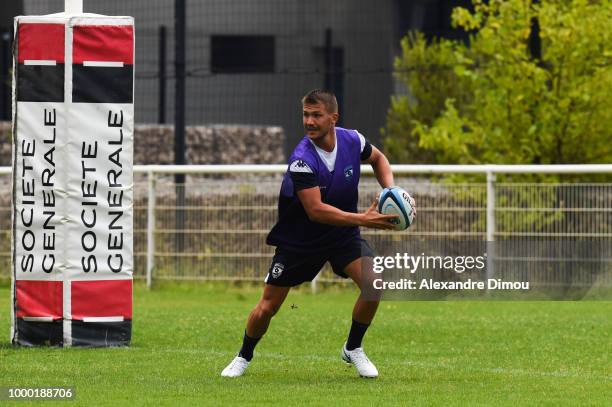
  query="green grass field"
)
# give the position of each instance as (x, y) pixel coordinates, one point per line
(428, 353)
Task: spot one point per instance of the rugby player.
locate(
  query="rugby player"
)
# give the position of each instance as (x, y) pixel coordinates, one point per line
(318, 222)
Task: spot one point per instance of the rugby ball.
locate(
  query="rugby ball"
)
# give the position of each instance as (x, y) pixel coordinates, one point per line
(396, 201)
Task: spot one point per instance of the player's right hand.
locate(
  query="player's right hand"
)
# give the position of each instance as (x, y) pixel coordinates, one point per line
(376, 220)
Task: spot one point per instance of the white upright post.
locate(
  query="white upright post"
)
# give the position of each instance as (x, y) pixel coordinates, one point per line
(313, 284)
(490, 223)
(150, 228)
(73, 6)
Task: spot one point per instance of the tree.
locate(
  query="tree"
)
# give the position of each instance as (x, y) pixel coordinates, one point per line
(532, 86)
(492, 101)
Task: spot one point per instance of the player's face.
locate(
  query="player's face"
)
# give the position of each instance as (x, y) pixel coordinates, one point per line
(317, 120)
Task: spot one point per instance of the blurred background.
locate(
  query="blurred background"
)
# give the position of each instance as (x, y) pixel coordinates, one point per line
(428, 81)
(250, 62)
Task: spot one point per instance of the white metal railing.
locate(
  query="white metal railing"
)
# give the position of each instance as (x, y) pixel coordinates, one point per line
(159, 184)
(397, 169)
(366, 169)
(490, 171)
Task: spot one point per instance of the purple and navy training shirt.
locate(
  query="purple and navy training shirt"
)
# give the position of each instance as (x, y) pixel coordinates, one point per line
(336, 174)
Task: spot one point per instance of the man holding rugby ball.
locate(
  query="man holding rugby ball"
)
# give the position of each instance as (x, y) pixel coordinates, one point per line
(318, 222)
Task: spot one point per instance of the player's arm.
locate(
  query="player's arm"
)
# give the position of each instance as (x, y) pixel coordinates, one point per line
(320, 212)
(308, 192)
(381, 167)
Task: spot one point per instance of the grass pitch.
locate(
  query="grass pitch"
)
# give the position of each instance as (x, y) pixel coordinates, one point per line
(428, 353)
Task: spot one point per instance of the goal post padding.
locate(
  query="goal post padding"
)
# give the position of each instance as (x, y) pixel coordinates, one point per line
(72, 235)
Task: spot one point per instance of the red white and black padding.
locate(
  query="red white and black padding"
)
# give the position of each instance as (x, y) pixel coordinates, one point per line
(72, 180)
(40, 67)
(103, 64)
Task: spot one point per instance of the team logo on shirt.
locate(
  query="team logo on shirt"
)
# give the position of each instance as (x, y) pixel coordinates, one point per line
(348, 172)
(277, 270)
(300, 166)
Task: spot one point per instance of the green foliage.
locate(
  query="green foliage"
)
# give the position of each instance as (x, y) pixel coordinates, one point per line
(492, 102)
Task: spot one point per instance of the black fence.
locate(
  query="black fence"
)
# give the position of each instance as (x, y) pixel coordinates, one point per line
(249, 62)
(6, 41)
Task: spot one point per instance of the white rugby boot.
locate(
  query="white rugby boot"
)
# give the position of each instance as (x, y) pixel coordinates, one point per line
(236, 368)
(358, 358)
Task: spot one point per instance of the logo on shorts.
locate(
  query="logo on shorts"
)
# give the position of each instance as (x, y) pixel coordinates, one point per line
(348, 172)
(277, 270)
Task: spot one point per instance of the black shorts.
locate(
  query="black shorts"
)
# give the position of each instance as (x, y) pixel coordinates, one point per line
(290, 268)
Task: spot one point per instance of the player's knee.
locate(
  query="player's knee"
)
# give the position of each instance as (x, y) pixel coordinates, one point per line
(268, 309)
(373, 296)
